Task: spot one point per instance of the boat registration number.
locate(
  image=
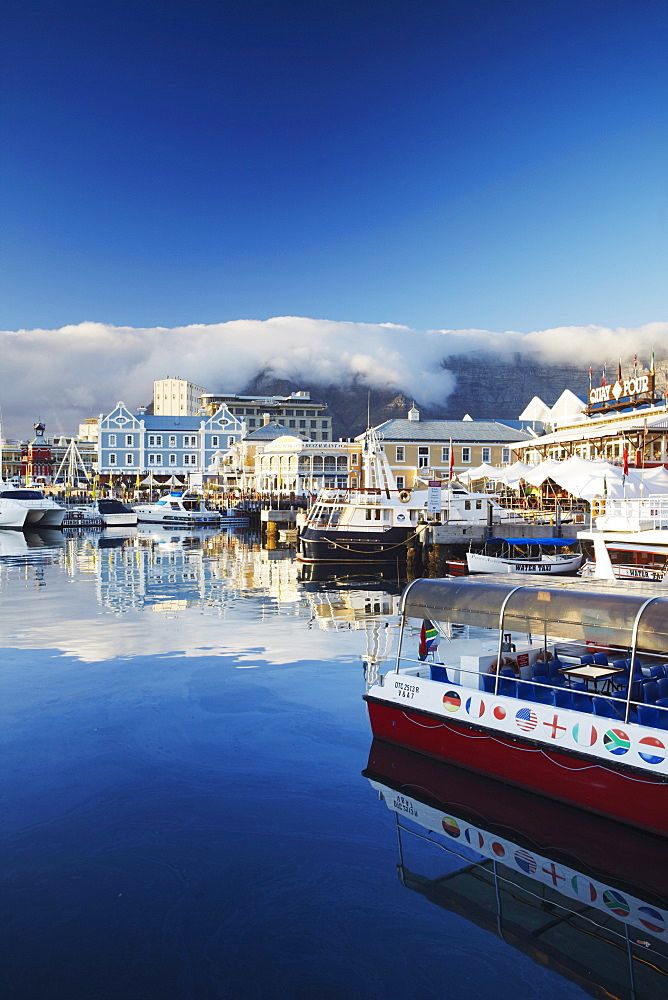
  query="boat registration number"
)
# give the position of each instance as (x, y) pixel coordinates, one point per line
(405, 690)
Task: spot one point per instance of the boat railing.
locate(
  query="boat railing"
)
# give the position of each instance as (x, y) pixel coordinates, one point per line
(614, 704)
(634, 514)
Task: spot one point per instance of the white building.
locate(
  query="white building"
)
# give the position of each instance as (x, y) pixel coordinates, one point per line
(175, 397)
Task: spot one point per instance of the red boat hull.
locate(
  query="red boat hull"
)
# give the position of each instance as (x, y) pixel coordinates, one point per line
(632, 798)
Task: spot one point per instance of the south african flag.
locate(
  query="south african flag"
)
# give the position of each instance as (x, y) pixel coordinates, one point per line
(428, 639)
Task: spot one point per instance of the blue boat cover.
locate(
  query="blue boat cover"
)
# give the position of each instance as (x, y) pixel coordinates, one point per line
(557, 542)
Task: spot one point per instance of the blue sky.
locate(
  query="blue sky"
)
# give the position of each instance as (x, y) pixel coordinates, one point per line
(450, 164)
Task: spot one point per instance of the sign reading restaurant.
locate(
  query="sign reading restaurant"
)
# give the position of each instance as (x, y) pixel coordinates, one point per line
(622, 393)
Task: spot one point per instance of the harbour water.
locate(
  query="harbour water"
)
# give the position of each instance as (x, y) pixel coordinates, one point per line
(184, 811)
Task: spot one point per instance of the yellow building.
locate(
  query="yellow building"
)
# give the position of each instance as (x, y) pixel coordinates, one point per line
(423, 449)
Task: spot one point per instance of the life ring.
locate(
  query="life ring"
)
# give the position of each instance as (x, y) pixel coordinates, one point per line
(404, 495)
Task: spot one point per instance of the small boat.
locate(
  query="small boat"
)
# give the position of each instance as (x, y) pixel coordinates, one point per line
(629, 541)
(374, 523)
(582, 896)
(178, 508)
(564, 692)
(525, 555)
(234, 517)
(39, 509)
(82, 517)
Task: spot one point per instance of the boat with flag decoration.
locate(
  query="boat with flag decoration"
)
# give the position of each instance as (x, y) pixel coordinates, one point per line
(562, 690)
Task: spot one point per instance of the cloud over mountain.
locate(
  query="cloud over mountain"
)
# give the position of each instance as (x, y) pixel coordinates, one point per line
(81, 370)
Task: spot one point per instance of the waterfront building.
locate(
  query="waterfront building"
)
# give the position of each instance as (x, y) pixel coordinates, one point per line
(421, 449)
(164, 445)
(297, 412)
(625, 416)
(273, 459)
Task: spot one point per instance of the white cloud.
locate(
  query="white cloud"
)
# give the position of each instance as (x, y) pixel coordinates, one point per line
(77, 371)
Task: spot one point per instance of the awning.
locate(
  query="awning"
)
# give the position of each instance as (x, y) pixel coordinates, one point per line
(601, 616)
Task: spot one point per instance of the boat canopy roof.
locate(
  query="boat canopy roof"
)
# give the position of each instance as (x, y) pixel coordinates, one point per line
(564, 543)
(606, 617)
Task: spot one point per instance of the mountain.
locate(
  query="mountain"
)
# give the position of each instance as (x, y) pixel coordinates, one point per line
(487, 386)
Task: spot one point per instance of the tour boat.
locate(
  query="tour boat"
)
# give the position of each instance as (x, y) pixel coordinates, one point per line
(39, 510)
(375, 521)
(525, 555)
(538, 720)
(579, 894)
(178, 508)
(630, 540)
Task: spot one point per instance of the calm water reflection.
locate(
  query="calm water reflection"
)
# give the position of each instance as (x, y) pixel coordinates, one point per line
(184, 812)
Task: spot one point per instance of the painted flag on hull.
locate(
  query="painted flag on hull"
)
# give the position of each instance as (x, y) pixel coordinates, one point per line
(428, 639)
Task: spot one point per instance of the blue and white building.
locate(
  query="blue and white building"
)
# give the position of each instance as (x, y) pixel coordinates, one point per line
(165, 445)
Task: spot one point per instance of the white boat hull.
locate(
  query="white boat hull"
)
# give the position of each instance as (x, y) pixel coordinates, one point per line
(479, 563)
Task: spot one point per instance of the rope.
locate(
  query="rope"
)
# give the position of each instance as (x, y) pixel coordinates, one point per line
(365, 552)
(586, 767)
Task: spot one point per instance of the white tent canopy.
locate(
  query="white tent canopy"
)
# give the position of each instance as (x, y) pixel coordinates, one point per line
(581, 478)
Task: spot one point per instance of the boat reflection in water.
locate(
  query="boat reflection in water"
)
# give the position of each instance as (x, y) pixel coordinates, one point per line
(43, 545)
(579, 894)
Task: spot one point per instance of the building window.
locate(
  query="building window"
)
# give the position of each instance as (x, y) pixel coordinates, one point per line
(112, 459)
(251, 422)
(325, 436)
(214, 441)
(230, 442)
(155, 440)
(289, 413)
(314, 423)
(292, 423)
(487, 455)
(401, 453)
(129, 440)
(401, 482)
(112, 440)
(423, 458)
(466, 456)
(172, 459)
(172, 440)
(302, 423)
(151, 459)
(299, 413)
(129, 459)
(505, 455)
(445, 455)
(190, 459)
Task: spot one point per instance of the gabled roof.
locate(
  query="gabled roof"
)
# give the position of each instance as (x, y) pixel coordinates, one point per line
(269, 432)
(475, 431)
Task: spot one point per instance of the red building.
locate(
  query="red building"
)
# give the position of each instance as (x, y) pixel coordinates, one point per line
(36, 460)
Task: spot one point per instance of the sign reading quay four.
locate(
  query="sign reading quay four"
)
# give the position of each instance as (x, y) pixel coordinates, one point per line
(622, 393)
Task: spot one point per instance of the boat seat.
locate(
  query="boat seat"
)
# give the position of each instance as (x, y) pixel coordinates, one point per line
(654, 672)
(601, 659)
(488, 683)
(649, 715)
(662, 703)
(606, 709)
(662, 685)
(581, 701)
(562, 698)
(508, 687)
(525, 690)
(542, 695)
(587, 658)
(438, 673)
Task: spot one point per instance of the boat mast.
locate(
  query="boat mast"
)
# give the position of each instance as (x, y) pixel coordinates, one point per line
(72, 458)
(375, 466)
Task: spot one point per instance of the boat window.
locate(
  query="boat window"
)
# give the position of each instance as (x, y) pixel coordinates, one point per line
(334, 519)
(174, 506)
(22, 495)
(368, 513)
(386, 514)
(478, 505)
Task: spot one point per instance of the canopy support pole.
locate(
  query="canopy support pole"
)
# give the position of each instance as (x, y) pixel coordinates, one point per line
(634, 642)
(501, 616)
